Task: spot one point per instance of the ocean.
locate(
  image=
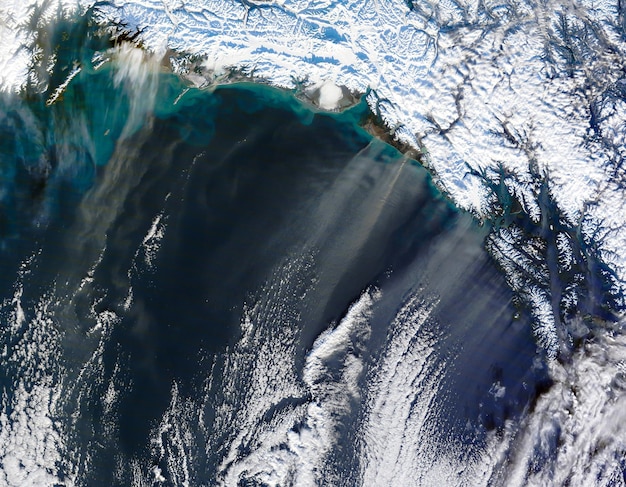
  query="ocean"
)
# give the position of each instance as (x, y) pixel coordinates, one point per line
(230, 286)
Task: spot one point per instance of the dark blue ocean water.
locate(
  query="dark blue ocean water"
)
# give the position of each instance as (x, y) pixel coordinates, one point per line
(170, 259)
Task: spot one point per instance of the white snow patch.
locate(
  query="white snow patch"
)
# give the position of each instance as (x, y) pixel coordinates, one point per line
(330, 96)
